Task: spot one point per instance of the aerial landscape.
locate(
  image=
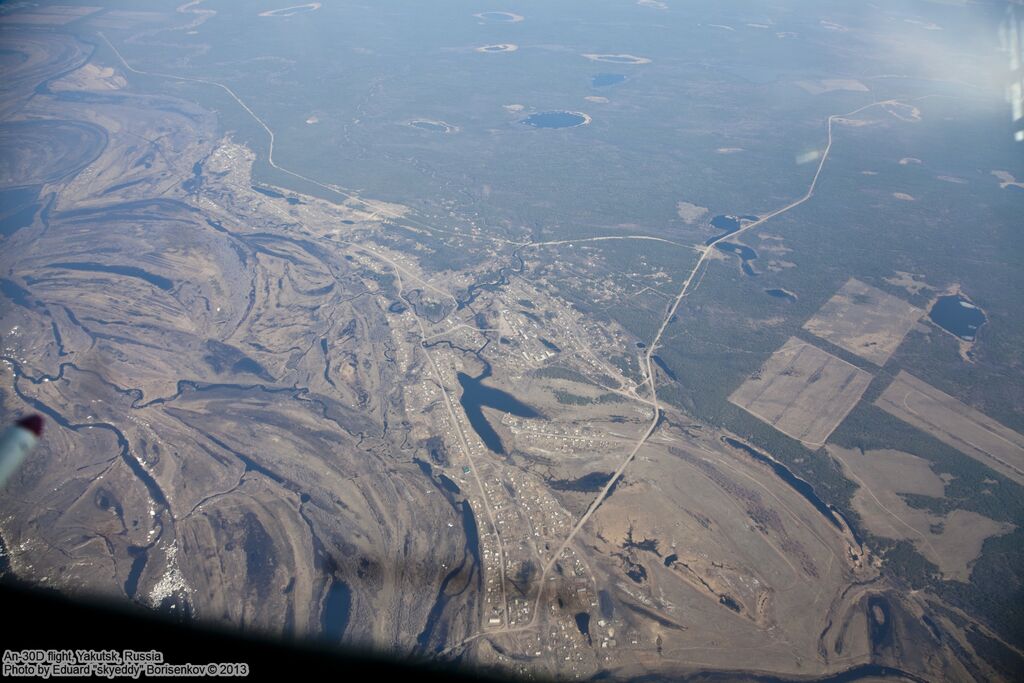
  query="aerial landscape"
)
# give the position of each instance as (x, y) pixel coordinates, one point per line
(619, 340)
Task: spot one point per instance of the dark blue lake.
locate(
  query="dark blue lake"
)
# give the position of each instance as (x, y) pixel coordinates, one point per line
(138, 556)
(583, 624)
(879, 622)
(664, 368)
(589, 483)
(741, 250)
(18, 208)
(476, 395)
(268, 192)
(728, 225)
(448, 484)
(605, 80)
(956, 314)
(555, 119)
(334, 617)
(128, 271)
(607, 605)
(18, 219)
(550, 345)
(781, 294)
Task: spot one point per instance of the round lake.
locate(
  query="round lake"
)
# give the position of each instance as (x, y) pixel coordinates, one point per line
(557, 119)
(957, 315)
(432, 126)
(501, 47)
(499, 17)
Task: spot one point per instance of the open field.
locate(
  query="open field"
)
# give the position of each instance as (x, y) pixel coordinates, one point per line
(864, 320)
(802, 391)
(952, 541)
(962, 427)
(719, 547)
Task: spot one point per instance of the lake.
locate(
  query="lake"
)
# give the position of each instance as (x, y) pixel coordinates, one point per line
(335, 614)
(476, 395)
(556, 119)
(18, 208)
(957, 315)
(728, 225)
(128, 271)
(743, 251)
(432, 126)
(781, 294)
(664, 368)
